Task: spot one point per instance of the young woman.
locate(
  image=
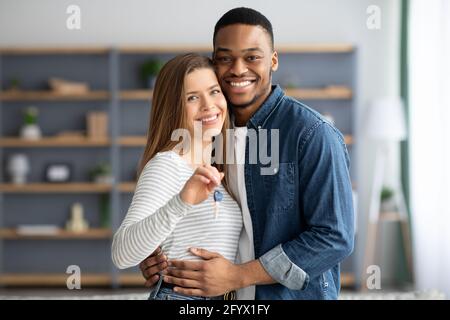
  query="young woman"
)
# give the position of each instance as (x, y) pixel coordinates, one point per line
(174, 202)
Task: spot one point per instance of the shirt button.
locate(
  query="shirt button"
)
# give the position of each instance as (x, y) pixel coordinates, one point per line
(259, 127)
(275, 170)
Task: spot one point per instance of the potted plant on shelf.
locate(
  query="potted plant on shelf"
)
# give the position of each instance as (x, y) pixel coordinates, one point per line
(14, 84)
(149, 71)
(30, 130)
(387, 200)
(101, 173)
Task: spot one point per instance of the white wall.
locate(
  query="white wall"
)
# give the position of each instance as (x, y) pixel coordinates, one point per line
(175, 22)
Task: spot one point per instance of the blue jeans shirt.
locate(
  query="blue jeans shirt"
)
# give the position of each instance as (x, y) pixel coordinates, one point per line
(302, 214)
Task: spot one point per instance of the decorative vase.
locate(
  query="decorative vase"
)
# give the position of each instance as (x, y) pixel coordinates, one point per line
(77, 223)
(31, 132)
(18, 168)
(106, 179)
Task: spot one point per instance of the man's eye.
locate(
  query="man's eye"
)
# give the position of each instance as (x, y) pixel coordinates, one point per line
(223, 59)
(252, 58)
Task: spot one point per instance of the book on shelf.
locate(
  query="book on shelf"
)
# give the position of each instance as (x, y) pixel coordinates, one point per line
(97, 125)
(41, 229)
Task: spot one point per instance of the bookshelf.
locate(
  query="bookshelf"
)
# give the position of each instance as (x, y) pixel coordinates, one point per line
(321, 75)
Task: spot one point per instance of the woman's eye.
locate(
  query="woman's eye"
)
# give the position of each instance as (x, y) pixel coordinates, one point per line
(191, 98)
(216, 91)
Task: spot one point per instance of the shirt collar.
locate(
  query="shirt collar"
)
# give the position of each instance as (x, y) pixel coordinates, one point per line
(269, 105)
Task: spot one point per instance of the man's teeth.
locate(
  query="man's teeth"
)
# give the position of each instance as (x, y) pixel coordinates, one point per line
(240, 84)
(214, 117)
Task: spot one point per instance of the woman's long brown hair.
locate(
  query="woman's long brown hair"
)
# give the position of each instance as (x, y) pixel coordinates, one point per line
(168, 109)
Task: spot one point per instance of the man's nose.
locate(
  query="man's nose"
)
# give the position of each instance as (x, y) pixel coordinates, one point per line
(239, 67)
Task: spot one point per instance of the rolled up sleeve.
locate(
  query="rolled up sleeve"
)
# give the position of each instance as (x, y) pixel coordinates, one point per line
(278, 265)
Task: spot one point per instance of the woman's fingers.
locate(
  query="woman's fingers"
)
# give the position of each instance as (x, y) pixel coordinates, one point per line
(209, 174)
(214, 171)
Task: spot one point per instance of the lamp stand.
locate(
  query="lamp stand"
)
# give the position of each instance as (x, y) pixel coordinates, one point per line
(375, 216)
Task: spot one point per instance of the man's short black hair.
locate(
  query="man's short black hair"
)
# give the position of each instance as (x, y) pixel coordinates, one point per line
(244, 16)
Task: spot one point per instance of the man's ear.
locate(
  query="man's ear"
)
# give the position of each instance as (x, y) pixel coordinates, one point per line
(274, 66)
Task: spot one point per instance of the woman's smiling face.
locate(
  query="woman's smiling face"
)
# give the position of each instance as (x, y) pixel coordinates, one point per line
(204, 101)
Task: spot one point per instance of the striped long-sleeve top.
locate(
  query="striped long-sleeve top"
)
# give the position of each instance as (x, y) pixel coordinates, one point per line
(158, 217)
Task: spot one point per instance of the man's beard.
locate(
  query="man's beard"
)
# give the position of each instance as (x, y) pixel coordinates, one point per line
(244, 105)
(252, 101)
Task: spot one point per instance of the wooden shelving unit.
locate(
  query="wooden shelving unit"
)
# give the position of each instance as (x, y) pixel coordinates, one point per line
(99, 279)
(299, 93)
(62, 234)
(118, 91)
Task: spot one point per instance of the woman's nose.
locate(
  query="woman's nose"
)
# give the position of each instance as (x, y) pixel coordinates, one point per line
(207, 103)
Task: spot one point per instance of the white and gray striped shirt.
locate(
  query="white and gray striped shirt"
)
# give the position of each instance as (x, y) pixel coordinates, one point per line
(158, 216)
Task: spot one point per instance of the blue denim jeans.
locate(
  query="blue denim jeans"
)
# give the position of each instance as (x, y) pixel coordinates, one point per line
(169, 294)
(159, 292)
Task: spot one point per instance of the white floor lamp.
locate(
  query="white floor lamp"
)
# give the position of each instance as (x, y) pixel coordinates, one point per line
(386, 125)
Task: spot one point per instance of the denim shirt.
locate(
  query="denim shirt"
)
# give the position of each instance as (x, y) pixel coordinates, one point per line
(302, 213)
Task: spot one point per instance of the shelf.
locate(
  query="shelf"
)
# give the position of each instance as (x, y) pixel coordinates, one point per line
(136, 94)
(142, 140)
(132, 141)
(177, 49)
(316, 48)
(12, 234)
(391, 216)
(347, 279)
(23, 95)
(348, 139)
(312, 93)
(54, 142)
(323, 93)
(55, 279)
(55, 188)
(127, 186)
(53, 50)
(100, 279)
(143, 94)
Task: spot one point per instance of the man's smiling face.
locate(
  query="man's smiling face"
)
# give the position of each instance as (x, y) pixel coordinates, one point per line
(244, 61)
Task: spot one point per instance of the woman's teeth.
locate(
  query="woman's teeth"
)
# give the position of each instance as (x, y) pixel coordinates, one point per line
(240, 84)
(212, 118)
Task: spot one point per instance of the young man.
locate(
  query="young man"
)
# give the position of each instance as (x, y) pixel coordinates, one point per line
(299, 219)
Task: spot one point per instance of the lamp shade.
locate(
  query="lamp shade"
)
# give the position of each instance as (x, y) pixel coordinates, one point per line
(386, 120)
